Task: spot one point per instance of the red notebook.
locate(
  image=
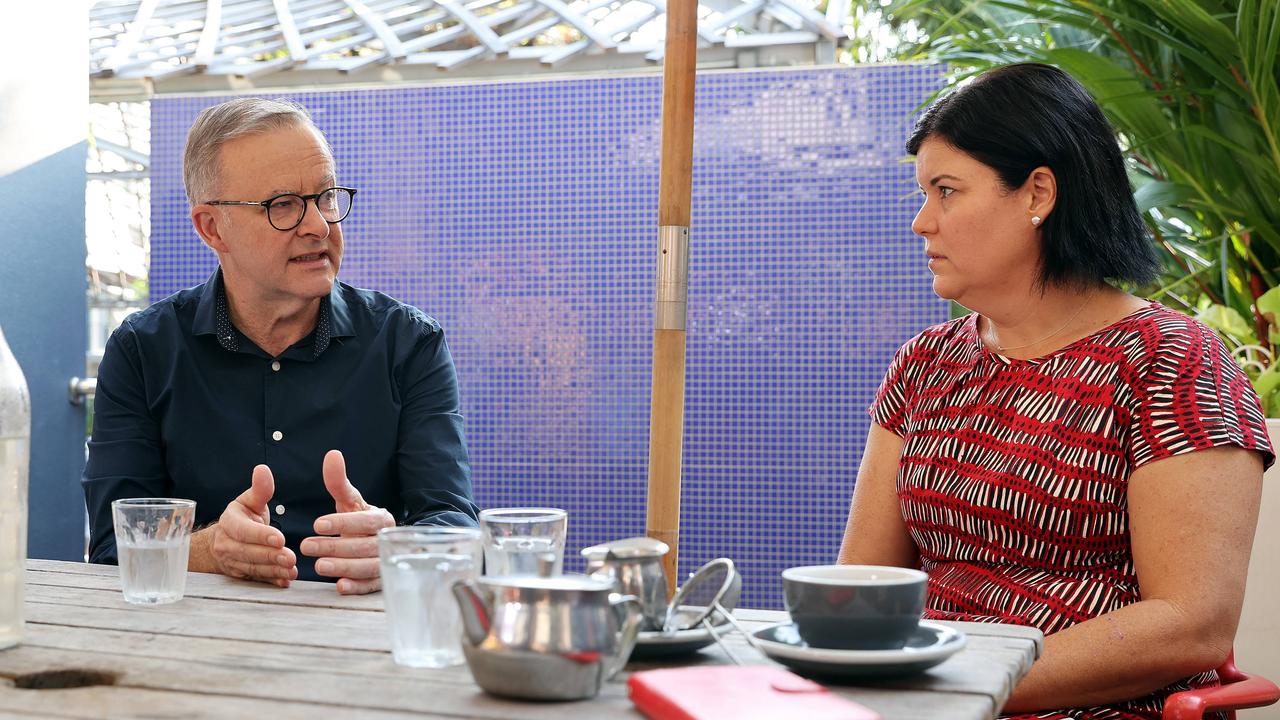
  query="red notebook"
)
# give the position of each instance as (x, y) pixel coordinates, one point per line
(748, 692)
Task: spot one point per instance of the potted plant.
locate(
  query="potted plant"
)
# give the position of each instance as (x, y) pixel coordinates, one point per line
(1193, 88)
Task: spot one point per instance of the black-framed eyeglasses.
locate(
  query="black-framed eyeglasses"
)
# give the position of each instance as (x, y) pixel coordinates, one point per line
(285, 211)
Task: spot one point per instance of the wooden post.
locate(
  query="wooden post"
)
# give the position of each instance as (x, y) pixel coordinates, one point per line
(666, 411)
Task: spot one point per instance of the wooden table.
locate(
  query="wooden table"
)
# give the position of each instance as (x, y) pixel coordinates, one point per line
(243, 650)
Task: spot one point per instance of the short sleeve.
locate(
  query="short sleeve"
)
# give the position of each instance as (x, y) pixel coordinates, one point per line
(1194, 397)
(890, 407)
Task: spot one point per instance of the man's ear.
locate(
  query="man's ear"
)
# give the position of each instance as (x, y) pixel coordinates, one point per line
(1042, 185)
(209, 222)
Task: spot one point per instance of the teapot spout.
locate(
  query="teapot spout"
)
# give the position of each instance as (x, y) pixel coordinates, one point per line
(474, 609)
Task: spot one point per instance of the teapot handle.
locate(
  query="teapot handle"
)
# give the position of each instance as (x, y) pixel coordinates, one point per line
(627, 609)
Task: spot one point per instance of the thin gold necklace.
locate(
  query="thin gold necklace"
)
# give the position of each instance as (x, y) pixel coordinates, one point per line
(1005, 348)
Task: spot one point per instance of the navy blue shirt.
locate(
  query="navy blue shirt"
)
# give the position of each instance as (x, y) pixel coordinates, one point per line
(187, 405)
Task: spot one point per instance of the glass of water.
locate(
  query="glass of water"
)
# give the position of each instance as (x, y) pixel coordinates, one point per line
(153, 539)
(524, 541)
(419, 565)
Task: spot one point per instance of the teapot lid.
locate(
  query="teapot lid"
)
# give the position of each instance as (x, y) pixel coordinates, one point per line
(568, 581)
(627, 548)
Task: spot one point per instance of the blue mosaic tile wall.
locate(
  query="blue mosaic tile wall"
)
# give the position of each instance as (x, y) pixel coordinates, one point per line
(522, 215)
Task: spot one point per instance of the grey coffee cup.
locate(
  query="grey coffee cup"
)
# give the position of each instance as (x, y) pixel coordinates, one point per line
(854, 607)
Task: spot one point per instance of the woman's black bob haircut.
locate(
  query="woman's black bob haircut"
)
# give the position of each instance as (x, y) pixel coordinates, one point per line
(1017, 118)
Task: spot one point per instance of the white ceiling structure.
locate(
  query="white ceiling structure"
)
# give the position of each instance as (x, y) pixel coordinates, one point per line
(139, 48)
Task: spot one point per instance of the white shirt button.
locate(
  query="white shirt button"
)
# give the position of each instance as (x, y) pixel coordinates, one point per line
(275, 365)
(279, 509)
(277, 436)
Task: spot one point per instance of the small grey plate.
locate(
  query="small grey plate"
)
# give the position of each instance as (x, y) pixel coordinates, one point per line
(929, 645)
(653, 645)
(656, 645)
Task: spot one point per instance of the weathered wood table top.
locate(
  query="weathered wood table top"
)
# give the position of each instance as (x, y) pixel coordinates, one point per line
(234, 649)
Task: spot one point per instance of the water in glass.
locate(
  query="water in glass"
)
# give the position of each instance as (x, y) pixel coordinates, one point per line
(426, 630)
(153, 571)
(523, 555)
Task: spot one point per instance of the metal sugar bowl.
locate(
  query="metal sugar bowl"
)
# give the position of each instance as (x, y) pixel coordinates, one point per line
(634, 564)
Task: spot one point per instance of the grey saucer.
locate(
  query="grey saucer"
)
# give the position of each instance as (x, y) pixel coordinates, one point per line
(653, 645)
(928, 645)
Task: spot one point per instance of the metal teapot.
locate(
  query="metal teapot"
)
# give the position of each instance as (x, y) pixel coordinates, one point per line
(634, 564)
(545, 638)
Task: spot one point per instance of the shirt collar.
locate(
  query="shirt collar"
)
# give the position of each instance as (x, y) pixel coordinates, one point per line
(340, 323)
(213, 317)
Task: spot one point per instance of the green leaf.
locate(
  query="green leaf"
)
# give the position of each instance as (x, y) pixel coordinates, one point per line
(1161, 194)
(1229, 322)
(1195, 51)
(1268, 304)
(1117, 90)
(1195, 22)
(1267, 385)
(1258, 27)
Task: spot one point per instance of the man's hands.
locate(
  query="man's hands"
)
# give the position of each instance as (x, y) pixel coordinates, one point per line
(352, 556)
(242, 544)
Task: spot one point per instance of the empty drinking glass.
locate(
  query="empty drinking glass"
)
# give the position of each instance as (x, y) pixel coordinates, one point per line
(524, 541)
(153, 539)
(419, 566)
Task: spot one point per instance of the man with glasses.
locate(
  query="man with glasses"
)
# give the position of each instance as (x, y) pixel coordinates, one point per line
(300, 413)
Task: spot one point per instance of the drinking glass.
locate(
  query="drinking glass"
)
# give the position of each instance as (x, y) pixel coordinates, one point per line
(524, 541)
(153, 540)
(419, 566)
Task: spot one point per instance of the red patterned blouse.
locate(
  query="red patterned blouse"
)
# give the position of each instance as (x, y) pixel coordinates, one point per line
(1014, 473)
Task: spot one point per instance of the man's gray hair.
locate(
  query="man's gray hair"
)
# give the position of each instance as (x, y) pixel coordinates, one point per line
(217, 125)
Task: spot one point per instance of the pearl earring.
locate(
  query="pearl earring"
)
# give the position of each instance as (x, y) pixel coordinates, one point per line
(1035, 220)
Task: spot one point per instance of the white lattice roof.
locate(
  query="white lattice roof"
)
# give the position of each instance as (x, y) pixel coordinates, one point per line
(142, 47)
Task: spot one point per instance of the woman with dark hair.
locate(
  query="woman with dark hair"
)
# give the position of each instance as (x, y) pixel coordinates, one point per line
(1067, 456)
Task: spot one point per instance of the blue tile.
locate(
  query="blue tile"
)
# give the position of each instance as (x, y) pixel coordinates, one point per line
(522, 215)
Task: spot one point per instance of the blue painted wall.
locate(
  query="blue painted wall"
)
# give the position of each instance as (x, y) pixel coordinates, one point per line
(522, 215)
(42, 310)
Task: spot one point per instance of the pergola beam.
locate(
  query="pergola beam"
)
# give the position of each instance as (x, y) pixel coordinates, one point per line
(113, 175)
(519, 35)
(585, 26)
(461, 57)
(720, 24)
(558, 55)
(390, 41)
(208, 44)
(289, 30)
(128, 153)
(414, 47)
(704, 33)
(478, 27)
(794, 37)
(192, 43)
(253, 70)
(124, 47)
(811, 19)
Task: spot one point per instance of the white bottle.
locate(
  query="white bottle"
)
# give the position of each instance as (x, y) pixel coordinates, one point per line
(15, 449)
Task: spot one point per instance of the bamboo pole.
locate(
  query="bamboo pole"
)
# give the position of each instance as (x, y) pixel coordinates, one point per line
(666, 411)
